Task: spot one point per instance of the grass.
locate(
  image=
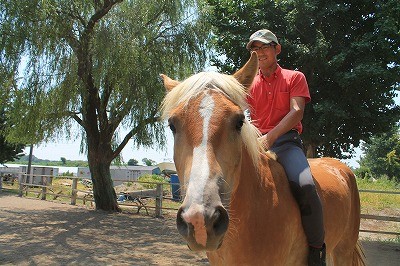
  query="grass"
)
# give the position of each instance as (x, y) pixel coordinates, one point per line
(378, 201)
(380, 204)
(378, 184)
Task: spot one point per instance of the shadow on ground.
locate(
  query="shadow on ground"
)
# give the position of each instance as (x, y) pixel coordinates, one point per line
(86, 237)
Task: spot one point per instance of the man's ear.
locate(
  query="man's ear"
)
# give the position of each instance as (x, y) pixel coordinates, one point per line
(278, 49)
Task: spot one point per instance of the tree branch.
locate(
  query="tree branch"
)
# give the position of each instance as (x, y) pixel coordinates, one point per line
(78, 120)
(106, 96)
(100, 13)
(133, 132)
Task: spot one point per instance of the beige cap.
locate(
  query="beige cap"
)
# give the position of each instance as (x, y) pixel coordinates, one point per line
(265, 36)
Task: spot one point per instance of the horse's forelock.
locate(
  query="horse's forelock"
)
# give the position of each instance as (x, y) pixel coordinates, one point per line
(226, 84)
(199, 83)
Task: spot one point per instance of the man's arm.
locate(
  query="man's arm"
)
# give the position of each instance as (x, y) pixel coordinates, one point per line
(295, 115)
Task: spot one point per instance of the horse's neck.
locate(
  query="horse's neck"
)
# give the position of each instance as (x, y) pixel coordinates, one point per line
(262, 180)
(263, 190)
(262, 214)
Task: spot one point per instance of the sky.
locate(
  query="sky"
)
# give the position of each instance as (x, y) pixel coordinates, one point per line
(70, 151)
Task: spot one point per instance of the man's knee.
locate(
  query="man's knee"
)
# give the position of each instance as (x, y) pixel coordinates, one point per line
(302, 194)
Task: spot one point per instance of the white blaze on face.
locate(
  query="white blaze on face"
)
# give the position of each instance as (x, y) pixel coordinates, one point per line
(200, 169)
(199, 175)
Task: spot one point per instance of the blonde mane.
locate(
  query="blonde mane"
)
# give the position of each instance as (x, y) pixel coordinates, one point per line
(224, 84)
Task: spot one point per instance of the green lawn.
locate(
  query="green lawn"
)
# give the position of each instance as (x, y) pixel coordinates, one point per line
(378, 201)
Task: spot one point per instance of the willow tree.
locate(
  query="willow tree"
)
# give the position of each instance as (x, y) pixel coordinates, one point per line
(95, 64)
(8, 151)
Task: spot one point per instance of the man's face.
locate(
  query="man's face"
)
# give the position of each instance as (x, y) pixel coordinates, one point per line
(266, 52)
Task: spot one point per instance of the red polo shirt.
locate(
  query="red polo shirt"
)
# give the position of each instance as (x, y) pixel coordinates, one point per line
(269, 97)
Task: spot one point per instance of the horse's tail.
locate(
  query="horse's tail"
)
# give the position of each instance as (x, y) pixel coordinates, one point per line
(359, 258)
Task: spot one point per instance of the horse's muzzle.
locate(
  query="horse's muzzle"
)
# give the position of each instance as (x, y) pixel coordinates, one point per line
(203, 229)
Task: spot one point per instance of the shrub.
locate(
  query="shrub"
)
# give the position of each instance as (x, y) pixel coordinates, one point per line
(363, 172)
(67, 174)
(151, 179)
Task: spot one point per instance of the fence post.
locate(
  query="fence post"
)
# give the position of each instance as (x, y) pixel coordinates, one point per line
(1, 181)
(44, 187)
(159, 200)
(21, 180)
(74, 192)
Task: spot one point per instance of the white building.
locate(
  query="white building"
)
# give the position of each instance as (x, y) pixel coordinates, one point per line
(120, 174)
(9, 170)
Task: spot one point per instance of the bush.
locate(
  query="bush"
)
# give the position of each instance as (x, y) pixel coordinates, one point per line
(363, 172)
(151, 179)
(67, 174)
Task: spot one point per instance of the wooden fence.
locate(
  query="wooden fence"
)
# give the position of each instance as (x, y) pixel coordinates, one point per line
(46, 190)
(380, 217)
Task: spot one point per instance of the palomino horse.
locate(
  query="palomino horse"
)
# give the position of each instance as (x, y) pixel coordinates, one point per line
(238, 205)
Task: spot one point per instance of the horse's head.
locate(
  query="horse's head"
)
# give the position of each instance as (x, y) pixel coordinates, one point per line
(206, 115)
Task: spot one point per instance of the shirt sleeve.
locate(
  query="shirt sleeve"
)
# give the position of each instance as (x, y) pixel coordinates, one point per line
(299, 87)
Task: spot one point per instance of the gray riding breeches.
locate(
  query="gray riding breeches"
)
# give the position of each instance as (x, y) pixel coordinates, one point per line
(289, 149)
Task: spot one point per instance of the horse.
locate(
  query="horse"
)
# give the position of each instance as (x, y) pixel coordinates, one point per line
(237, 203)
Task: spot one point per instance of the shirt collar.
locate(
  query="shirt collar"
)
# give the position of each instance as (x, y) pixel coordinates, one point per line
(276, 73)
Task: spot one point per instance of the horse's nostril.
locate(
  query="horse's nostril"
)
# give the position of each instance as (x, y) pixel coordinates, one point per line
(220, 221)
(181, 224)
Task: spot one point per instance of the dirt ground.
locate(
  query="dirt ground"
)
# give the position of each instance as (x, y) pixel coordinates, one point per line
(36, 232)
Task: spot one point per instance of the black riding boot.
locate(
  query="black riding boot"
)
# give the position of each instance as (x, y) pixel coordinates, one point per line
(317, 256)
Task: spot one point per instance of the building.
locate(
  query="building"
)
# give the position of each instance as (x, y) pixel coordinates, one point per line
(9, 170)
(120, 174)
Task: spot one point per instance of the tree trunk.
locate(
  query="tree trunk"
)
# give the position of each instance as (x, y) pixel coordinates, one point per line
(100, 156)
(310, 151)
(103, 189)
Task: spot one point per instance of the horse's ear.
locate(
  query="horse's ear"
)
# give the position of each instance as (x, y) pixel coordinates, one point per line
(169, 83)
(246, 74)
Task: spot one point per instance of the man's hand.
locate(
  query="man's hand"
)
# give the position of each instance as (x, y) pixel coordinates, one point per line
(265, 142)
(268, 140)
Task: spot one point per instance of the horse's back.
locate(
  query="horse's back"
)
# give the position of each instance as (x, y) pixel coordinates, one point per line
(333, 176)
(337, 188)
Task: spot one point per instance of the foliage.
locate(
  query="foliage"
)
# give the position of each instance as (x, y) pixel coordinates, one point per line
(63, 160)
(8, 151)
(133, 162)
(148, 162)
(151, 179)
(68, 173)
(94, 65)
(36, 161)
(382, 155)
(363, 172)
(349, 53)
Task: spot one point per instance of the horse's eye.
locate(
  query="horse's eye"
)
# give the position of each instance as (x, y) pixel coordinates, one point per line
(172, 127)
(239, 124)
